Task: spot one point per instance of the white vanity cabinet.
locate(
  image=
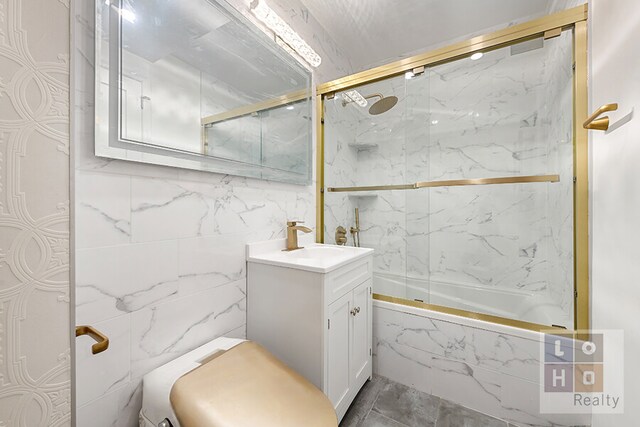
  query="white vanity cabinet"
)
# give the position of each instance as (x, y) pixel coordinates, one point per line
(348, 348)
(315, 316)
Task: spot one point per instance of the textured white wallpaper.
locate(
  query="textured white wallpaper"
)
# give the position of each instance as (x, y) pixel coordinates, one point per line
(34, 213)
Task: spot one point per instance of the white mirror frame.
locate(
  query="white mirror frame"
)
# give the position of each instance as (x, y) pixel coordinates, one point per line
(108, 141)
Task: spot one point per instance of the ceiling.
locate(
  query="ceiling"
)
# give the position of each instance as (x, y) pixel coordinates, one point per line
(373, 32)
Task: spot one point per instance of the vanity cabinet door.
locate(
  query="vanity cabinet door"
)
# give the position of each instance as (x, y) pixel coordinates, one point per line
(338, 349)
(361, 336)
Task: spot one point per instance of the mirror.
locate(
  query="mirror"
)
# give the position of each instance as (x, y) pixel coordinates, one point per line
(194, 84)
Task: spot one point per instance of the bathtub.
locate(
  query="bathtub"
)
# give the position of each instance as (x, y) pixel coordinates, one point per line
(496, 301)
(493, 368)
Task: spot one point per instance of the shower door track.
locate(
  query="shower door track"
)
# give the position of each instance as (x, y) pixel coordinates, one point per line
(451, 183)
(574, 20)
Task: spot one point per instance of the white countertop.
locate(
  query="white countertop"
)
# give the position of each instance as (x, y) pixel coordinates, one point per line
(315, 257)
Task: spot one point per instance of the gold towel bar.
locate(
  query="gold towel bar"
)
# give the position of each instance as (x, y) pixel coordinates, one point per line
(595, 123)
(451, 183)
(102, 342)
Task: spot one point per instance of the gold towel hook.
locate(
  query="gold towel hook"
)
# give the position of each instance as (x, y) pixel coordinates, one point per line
(602, 123)
(102, 342)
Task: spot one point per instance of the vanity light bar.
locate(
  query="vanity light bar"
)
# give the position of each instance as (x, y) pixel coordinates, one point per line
(271, 19)
(354, 96)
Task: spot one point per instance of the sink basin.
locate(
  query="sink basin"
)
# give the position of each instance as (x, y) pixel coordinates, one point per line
(313, 257)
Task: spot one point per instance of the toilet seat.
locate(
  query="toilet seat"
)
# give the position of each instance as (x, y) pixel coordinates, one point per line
(232, 383)
(156, 385)
(247, 386)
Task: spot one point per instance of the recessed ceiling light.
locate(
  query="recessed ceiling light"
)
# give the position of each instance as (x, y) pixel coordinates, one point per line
(434, 122)
(477, 56)
(290, 107)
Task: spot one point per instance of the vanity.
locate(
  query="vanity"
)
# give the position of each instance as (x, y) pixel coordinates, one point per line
(311, 307)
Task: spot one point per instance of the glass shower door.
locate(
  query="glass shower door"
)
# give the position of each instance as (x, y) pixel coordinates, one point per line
(504, 250)
(502, 119)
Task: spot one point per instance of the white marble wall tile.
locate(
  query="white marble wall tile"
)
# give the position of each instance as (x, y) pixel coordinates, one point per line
(491, 372)
(115, 280)
(477, 347)
(100, 413)
(471, 386)
(103, 211)
(521, 406)
(119, 408)
(109, 369)
(165, 331)
(246, 209)
(208, 262)
(162, 210)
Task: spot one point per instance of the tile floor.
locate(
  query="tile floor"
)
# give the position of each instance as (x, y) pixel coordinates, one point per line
(384, 403)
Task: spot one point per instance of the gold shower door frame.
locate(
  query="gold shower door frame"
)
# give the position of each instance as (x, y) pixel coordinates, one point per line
(574, 20)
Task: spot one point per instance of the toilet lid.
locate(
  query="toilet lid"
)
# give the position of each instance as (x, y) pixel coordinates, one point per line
(247, 386)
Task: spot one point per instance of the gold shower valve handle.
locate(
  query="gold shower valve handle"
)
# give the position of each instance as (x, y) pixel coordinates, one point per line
(102, 342)
(596, 122)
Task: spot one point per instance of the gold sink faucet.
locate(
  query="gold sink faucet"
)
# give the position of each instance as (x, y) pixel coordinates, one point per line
(292, 234)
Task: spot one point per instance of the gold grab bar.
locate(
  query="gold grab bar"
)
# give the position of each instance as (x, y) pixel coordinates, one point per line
(102, 342)
(452, 183)
(602, 123)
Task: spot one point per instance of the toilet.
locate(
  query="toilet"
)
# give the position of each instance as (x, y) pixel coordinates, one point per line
(231, 382)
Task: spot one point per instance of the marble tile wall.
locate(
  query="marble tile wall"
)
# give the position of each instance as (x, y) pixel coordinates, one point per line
(493, 372)
(160, 255)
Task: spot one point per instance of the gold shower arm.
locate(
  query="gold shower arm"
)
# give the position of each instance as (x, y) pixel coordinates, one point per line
(602, 123)
(379, 95)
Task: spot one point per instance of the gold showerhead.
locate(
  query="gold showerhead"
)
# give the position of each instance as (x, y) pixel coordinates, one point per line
(383, 105)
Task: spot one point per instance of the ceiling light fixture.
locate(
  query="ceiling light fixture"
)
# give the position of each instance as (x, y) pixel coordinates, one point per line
(354, 96)
(276, 24)
(409, 75)
(477, 56)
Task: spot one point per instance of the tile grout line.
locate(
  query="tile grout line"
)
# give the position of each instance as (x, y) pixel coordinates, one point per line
(391, 419)
(374, 400)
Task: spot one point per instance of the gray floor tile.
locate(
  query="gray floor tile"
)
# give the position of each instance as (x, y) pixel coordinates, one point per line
(406, 405)
(363, 402)
(376, 420)
(453, 415)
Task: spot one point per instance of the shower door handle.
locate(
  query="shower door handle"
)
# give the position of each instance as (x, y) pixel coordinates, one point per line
(596, 122)
(102, 342)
